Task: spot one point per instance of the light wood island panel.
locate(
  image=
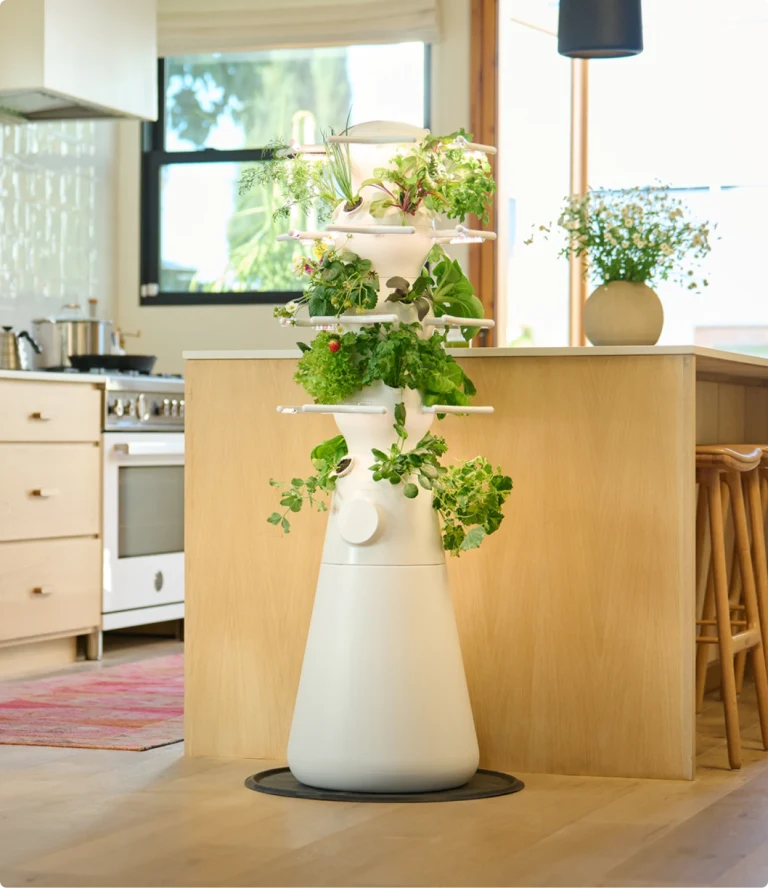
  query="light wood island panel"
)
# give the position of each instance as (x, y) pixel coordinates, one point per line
(576, 618)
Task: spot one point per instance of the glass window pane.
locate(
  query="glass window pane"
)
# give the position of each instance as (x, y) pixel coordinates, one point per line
(150, 510)
(214, 240)
(671, 115)
(246, 100)
(533, 176)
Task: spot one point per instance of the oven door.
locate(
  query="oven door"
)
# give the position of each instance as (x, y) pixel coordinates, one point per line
(143, 520)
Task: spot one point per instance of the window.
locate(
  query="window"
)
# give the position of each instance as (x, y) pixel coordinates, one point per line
(700, 128)
(202, 242)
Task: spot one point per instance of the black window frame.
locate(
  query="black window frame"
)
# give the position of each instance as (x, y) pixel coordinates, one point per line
(154, 157)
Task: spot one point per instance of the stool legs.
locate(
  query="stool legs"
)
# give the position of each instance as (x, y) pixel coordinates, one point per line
(703, 576)
(722, 605)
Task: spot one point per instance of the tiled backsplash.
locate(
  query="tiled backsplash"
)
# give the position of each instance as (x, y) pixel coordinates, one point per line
(57, 211)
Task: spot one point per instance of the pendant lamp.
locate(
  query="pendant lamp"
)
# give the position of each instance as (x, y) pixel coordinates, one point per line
(600, 29)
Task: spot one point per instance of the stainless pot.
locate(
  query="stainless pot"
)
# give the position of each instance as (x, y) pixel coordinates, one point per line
(12, 355)
(71, 333)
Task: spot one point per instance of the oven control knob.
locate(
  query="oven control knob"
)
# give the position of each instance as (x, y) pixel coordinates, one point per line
(117, 408)
(131, 405)
(141, 408)
(174, 407)
(166, 407)
(181, 407)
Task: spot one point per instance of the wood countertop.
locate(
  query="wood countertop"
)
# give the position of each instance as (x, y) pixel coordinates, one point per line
(710, 363)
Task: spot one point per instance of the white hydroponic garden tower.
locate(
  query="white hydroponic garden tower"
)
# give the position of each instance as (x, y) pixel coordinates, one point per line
(382, 704)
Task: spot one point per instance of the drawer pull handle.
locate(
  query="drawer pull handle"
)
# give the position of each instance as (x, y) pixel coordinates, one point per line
(42, 590)
(45, 492)
(40, 416)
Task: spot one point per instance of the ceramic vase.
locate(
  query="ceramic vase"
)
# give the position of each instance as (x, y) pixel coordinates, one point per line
(623, 313)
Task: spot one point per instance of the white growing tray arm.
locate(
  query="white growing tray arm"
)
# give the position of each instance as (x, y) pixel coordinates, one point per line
(295, 234)
(372, 229)
(452, 321)
(333, 320)
(462, 235)
(372, 140)
(333, 408)
(446, 408)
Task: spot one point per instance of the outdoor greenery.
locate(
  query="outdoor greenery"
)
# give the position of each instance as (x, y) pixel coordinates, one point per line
(327, 460)
(337, 365)
(643, 235)
(438, 174)
(261, 96)
(444, 287)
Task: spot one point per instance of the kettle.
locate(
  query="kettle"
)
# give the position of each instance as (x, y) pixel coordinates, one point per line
(11, 356)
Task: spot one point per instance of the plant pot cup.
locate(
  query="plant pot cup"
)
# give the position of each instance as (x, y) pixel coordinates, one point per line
(623, 313)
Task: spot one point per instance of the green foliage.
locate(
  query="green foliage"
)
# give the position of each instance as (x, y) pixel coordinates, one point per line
(633, 234)
(400, 358)
(261, 97)
(446, 288)
(304, 183)
(397, 356)
(338, 282)
(327, 376)
(438, 173)
(327, 458)
(468, 496)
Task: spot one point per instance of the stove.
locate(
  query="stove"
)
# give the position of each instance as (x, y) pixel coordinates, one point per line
(140, 403)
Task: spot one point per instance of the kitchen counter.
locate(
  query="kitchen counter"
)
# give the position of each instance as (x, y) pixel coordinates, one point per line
(576, 618)
(52, 376)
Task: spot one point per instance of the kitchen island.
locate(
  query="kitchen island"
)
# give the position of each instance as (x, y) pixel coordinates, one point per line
(576, 618)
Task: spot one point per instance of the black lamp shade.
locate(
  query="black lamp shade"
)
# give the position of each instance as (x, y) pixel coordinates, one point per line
(600, 29)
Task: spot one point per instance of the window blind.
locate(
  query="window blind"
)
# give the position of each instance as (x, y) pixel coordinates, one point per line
(187, 27)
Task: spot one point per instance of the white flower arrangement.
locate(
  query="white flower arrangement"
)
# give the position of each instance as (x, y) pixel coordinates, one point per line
(635, 234)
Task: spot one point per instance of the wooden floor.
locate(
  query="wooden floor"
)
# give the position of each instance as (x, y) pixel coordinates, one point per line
(76, 817)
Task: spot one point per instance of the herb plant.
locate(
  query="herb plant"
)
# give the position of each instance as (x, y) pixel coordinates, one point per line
(634, 234)
(338, 282)
(306, 183)
(327, 459)
(439, 174)
(468, 496)
(328, 369)
(445, 288)
(336, 365)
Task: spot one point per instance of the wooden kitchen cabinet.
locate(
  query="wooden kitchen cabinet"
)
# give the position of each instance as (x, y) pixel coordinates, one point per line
(50, 519)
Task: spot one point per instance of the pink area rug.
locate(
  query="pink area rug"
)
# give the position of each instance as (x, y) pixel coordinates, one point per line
(134, 706)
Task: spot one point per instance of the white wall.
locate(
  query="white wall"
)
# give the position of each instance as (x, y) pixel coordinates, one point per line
(57, 225)
(166, 331)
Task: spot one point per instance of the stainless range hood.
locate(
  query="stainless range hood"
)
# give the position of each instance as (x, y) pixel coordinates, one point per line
(78, 60)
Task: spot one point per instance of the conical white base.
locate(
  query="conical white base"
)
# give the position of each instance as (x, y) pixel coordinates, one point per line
(383, 703)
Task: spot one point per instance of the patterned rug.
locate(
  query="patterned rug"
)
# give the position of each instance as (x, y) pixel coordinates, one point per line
(134, 706)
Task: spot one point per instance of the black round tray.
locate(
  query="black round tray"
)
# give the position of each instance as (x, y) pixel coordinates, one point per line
(484, 785)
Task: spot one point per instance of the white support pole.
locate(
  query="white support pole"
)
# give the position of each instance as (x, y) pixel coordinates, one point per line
(333, 408)
(446, 408)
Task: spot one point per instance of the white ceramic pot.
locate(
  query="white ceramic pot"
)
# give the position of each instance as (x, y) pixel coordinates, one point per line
(623, 313)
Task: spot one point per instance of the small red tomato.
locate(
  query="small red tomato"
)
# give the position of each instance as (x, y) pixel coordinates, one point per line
(334, 345)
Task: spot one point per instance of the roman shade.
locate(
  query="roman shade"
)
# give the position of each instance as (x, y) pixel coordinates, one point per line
(202, 26)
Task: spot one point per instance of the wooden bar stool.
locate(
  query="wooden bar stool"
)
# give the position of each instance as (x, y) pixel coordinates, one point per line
(718, 465)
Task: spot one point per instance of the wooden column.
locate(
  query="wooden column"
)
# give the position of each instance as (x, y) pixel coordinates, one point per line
(483, 125)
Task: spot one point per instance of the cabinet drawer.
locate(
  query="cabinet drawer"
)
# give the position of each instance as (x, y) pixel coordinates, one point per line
(49, 490)
(49, 411)
(49, 587)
